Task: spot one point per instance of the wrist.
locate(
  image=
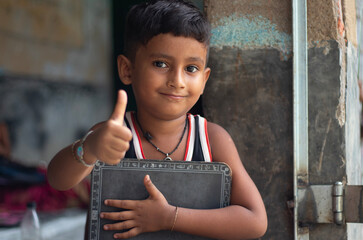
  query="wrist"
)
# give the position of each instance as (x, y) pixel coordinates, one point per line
(80, 152)
(88, 156)
(175, 218)
(171, 218)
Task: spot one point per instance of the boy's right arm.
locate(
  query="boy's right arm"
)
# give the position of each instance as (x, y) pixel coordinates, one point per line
(108, 143)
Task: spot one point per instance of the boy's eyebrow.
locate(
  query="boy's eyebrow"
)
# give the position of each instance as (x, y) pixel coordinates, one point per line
(196, 59)
(161, 55)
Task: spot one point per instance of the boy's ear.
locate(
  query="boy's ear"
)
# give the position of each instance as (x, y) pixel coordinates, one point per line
(124, 67)
(206, 77)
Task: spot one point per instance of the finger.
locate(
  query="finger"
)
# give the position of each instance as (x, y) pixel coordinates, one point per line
(124, 204)
(118, 216)
(128, 234)
(120, 107)
(124, 133)
(120, 225)
(151, 188)
(121, 147)
(112, 156)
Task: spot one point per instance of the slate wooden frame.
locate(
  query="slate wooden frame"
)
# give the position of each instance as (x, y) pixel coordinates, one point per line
(197, 185)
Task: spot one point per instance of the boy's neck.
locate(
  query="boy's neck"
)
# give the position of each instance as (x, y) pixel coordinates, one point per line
(159, 128)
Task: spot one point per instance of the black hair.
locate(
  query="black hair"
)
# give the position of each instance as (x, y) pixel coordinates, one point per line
(149, 19)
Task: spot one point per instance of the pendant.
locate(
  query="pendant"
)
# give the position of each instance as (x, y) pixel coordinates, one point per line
(168, 158)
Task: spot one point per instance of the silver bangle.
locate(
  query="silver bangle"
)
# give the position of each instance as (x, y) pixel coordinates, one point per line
(80, 150)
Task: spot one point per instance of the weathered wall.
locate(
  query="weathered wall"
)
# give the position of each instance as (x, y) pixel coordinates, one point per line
(250, 94)
(333, 118)
(251, 25)
(57, 40)
(321, 26)
(360, 37)
(350, 20)
(55, 73)
(334, 153)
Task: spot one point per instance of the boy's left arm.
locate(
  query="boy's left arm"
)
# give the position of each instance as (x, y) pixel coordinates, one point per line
(245, 218)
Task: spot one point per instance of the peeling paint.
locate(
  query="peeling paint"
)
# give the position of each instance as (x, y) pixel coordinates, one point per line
(340, 112)
(251, 33)
(320, 44)
(338, 10)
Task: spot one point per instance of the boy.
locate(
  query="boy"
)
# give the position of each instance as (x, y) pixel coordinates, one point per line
(165, 62)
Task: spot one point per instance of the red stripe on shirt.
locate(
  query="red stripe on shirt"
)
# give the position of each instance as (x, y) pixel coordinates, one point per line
(206, 136)
(137, 133)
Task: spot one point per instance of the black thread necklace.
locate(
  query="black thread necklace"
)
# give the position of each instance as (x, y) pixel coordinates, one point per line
(148, 137)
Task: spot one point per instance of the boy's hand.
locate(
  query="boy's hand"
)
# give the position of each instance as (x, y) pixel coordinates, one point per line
(110, 141)
(150, 215)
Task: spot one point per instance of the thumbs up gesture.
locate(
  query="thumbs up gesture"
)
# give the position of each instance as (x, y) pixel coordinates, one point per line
(110, 139)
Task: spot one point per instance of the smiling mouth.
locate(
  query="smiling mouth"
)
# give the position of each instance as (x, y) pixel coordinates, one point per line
(173, 96)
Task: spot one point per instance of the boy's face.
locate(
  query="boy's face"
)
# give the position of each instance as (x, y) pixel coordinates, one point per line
(168, 75)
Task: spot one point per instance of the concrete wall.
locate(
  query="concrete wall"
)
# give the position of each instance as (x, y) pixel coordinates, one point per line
(55, 73)
(355, 231)
(359, 5)
(58, 40)
(334, 109)
(249, 93)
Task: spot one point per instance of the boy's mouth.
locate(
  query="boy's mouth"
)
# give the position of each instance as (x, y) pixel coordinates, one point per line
(173, 96)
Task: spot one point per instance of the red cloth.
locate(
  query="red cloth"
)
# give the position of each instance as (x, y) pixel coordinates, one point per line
(46, 197)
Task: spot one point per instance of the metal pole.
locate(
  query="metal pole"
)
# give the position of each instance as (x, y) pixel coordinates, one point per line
(300, 95)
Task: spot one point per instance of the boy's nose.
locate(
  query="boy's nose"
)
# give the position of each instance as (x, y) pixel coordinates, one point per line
(176, 79)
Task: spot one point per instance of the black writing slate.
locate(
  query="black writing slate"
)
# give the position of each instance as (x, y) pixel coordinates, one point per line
(196, 185)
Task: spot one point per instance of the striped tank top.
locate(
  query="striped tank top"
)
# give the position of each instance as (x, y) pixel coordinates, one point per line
(197, 148)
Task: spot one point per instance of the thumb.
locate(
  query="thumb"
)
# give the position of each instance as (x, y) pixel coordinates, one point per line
(120, 107)
(151, 188)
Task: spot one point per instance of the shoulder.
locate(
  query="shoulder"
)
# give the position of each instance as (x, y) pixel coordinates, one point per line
(215, 131)
(221, 143)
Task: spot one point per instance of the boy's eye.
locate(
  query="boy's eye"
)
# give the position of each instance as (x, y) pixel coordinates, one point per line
(159, 64)
(192, 69)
